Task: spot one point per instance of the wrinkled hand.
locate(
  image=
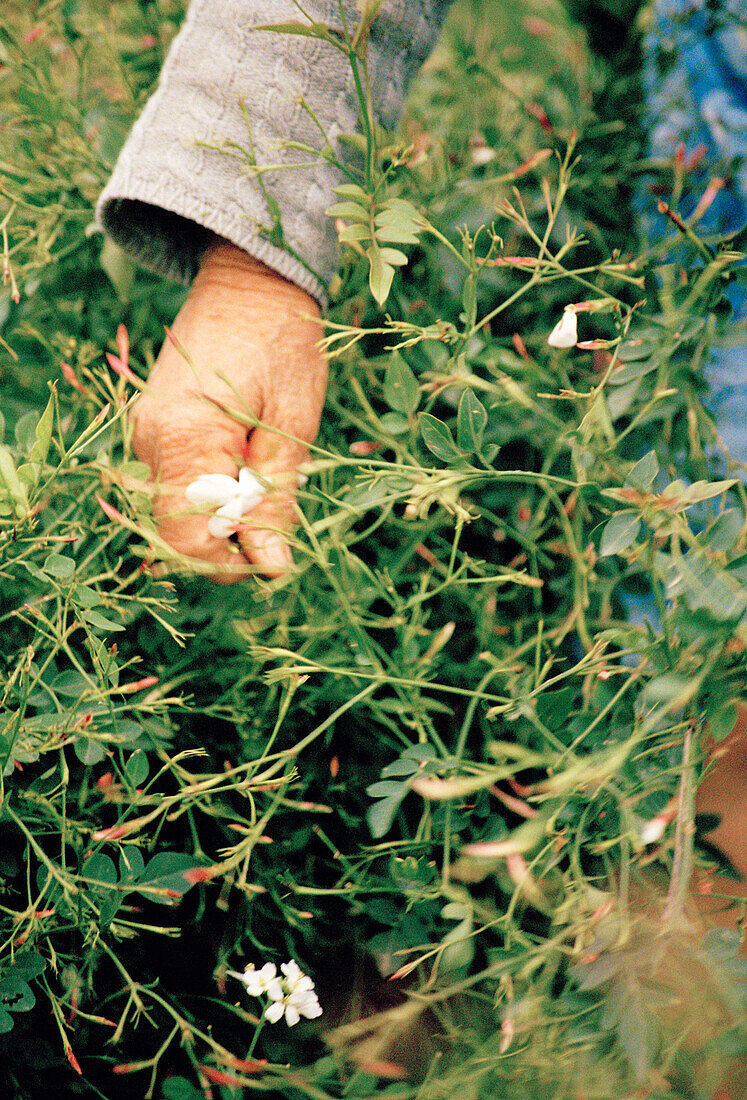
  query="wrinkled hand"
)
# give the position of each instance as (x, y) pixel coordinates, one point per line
(252, 348)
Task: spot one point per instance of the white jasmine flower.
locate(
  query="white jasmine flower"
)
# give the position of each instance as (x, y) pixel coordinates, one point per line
(565, 333)
(233, 496)
(298, 998)
(291, 995)
(261, 981)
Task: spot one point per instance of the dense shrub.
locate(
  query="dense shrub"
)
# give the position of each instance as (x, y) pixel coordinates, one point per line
(448, 764)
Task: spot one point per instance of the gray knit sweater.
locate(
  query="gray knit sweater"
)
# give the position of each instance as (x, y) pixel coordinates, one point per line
(182, 172)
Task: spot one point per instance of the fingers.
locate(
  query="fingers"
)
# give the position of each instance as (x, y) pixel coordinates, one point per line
(264, 536)
(292, 407)
(178, 452)
(267, 551)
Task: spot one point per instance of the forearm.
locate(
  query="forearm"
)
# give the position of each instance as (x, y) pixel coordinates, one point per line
(229, 94)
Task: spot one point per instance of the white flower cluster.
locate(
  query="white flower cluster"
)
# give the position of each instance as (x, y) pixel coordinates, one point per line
(291, 995)
(235, 497)
(231, 497)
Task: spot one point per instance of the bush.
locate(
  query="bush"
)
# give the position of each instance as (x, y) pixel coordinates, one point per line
(456, 740)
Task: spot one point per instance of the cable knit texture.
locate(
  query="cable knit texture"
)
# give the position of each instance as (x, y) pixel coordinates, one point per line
(185, 168)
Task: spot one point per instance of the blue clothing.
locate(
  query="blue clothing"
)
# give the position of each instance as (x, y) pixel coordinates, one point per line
(701, 100)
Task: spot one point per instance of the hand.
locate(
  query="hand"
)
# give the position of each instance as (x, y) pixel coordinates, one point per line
(253, 347)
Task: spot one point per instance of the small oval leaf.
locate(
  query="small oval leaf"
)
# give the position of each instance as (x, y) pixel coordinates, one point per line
(619, 533)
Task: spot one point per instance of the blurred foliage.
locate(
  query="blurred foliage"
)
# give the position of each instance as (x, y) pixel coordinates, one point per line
(444, 761)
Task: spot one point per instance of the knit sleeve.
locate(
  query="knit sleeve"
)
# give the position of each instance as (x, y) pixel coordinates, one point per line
(229, 100)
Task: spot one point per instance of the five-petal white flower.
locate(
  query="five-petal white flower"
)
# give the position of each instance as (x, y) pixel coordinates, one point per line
(260, 981)
(565, 333)
(291, 995)
(234, 497)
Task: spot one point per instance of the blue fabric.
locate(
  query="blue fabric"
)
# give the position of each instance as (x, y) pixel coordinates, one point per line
(702, 100)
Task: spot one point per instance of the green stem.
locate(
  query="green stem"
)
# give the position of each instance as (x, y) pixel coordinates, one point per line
(257, 1033)
(684, 842)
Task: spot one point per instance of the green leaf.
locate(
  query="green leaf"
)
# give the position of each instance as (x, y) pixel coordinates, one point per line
(140, 471)
(355, 232)
(35, 572)
(72, 683)
(88, 751)
(643, 474)
(401, 386)
(384, 788)
(383, 489)
(9, 478)
(29, 965)
(16, 995)
(724, 532)
(25, 430)
(28, 473)
(59, 566)
(456, 910)
(633, 350)
(634, 1032)
(460, 944)
(421, 753)
(620, 400)
(306, 30)
(393, 256)
(438, 438)
(403, 766)
(137, 768)
(687, 495)
(632, 372)
(399, 222)
(394, 423)
(380, 275)
(619, 533)
(86, 597)
(350, 210)
(722, 943)
(472, 419)
(179, 1088)
(101, 870)
(165, 871)
(707, 586)
(381, 814)
(354, 192)
(120, 267)
(43, 434)
(401, 215)
(131, 863)
(722, 721)
(593, 974)
(100, 622)
(386, 234)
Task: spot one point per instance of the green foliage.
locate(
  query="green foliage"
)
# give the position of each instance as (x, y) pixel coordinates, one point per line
(442, 741)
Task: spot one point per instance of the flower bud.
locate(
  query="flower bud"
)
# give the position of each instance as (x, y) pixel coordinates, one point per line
(565, 333)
